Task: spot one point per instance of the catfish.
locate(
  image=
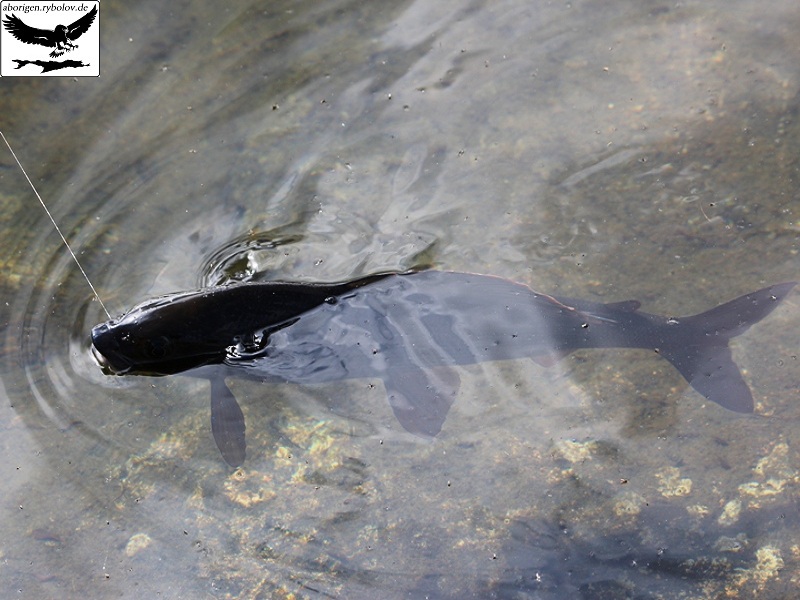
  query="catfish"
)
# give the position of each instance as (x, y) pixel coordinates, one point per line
(412, 330)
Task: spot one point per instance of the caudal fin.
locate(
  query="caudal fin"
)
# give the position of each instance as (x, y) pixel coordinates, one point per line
(700, 349)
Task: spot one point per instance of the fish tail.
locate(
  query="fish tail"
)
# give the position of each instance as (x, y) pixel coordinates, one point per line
(698, 348)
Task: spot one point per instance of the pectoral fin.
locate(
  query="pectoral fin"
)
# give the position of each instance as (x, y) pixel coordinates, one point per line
(227, 423)
(421, 398)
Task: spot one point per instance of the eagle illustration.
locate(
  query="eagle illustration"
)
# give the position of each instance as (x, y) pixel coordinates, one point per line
(60, 38)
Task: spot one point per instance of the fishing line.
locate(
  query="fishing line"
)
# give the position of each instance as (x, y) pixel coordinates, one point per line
(44, 206)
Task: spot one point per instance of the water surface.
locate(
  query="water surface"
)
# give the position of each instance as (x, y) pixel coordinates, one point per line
(600, 150)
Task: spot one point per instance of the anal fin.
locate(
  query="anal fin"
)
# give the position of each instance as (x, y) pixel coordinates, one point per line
(549, 359)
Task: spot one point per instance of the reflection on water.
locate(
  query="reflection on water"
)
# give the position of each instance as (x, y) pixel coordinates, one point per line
(593, 149)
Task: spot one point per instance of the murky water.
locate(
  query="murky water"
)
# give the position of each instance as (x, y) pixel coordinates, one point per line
(603, 150)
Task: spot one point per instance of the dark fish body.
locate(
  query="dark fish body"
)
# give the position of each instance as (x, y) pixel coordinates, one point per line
(409, 330)
(172, 334)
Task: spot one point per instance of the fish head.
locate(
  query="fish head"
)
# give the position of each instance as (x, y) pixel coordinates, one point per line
(159, 337)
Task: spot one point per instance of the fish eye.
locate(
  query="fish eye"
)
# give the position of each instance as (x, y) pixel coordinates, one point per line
(157, 347)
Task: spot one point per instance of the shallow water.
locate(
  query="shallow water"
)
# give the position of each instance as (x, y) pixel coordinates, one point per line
(591, 149)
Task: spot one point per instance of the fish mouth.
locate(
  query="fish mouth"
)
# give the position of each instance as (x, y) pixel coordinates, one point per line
(106, 365)
(101, 361)
(104, 351)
